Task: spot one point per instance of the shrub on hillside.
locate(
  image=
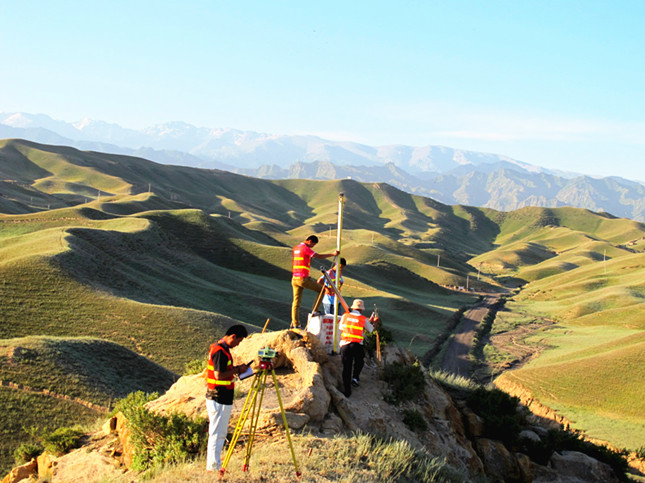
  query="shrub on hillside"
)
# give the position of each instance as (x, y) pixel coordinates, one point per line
(405, 382)
(385, 337)
(26, 452)
(63, 440)
(59, 441)
(502, 418)
(414, 420)
(560, 440)
(196, 366)
(158, 439)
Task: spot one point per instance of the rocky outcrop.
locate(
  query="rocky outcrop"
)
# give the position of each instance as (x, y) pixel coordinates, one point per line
(309, 382)
(21, 472)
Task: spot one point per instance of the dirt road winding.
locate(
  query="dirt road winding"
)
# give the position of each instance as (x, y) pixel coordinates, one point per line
(456, 359)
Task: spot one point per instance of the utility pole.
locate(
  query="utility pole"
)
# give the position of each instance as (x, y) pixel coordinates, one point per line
(604, 260)
(479, 267)
(467, 282)
(438, 260)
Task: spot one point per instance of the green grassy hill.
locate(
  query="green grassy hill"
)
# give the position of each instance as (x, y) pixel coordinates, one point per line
(49, 382)
(580, 270)
(160, 259)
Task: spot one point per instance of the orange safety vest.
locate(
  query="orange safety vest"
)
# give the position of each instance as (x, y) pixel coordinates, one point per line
(211, 382)
(332, 276)
(302, 260)
(352, 327)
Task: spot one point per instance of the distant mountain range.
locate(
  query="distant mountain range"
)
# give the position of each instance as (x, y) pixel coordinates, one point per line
(451, 176)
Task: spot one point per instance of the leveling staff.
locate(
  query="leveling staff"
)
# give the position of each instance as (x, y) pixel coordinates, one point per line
(220, 372)
(302, 255)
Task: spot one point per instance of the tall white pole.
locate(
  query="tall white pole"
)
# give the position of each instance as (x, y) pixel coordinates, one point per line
(339, 238)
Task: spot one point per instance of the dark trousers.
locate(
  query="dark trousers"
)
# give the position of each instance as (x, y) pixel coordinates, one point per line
(352, 356)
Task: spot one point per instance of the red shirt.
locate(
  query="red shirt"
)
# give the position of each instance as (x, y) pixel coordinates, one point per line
(302, 255)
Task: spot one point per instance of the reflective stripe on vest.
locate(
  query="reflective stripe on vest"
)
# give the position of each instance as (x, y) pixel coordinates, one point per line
(211, 382)
(301, 260)
(352, 327)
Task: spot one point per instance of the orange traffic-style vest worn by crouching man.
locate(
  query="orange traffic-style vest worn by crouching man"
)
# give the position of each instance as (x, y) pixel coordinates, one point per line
(353, 325)
(302, 260)
(211, 382)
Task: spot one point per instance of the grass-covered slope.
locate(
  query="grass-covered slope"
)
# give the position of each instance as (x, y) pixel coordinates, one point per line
(93, 370)
(160, 259)
(50, 382)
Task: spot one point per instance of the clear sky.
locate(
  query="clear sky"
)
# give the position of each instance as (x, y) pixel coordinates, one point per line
(560, 84)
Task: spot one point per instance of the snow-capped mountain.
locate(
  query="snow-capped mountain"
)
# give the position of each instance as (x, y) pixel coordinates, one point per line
(248, 149)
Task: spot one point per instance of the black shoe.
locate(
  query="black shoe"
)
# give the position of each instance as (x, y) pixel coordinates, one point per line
(355, 382)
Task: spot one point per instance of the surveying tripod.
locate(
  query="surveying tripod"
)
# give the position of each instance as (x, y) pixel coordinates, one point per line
(251, 411)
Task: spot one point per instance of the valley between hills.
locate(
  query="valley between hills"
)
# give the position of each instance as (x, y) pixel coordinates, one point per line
(116, 272)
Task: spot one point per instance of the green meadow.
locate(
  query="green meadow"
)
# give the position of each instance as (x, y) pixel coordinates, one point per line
(138, 259)
(590, 282)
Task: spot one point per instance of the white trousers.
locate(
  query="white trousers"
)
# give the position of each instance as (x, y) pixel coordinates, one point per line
(218, 416)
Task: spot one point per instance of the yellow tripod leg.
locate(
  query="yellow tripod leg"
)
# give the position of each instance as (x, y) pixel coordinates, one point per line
(286, 425)
(248, 404)
(255, 416)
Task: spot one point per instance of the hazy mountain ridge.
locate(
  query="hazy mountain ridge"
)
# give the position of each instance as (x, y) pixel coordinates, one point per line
(504, 188)
(248, 149)
(448, 175)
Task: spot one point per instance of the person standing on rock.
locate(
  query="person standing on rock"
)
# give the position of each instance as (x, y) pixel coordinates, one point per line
(352, 326)
(220, 372)
(330, 298)
(302, 255)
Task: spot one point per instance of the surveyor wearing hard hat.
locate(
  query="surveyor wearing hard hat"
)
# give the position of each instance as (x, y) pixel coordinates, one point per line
(302, 255)
(352, 326)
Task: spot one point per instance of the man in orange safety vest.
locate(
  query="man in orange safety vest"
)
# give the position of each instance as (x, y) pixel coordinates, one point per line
(220, 372)
(302, 255)
(352, 325)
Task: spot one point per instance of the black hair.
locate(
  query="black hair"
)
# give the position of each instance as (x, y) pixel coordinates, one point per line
(312, 238)
(238, 330)
(343, 261)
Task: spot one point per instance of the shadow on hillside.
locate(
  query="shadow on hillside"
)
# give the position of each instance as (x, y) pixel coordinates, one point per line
(157, 268)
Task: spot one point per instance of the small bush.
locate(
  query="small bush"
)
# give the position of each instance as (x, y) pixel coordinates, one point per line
(560, 440)
(26, 452)
(414, 420)
(196, 366)
(385, 337)
(502, 420)
(405, 382)
(63, 440)
(640, 452)
(158, 439)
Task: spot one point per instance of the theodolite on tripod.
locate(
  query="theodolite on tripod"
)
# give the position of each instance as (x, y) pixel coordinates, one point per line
(251, 410)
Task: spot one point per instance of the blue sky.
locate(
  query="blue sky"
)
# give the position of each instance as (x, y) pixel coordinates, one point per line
(560, 84)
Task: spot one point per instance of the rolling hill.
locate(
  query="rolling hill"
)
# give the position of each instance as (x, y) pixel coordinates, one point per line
(449, 175)
(160, 258)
